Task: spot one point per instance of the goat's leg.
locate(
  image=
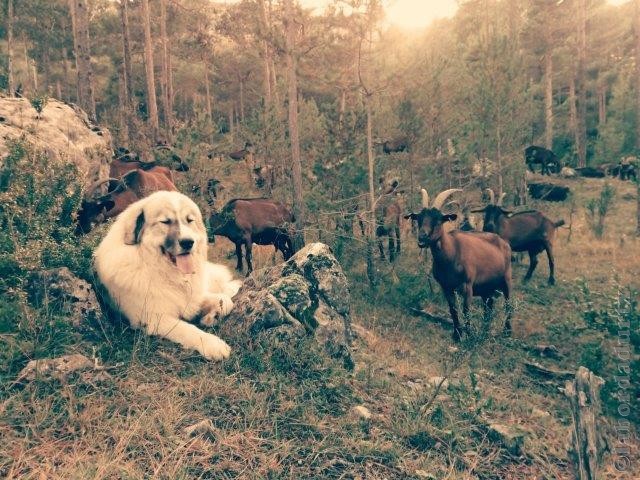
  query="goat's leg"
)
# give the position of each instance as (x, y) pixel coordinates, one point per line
(381, 248)
(397, 229)
(508, 307)
(392, 248)
(247, 255)
(466, 303)
(451, 301)
(239, 256)
(533, 262)
(549, 250)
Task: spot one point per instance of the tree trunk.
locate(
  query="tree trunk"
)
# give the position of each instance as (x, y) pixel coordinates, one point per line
(34, 74)
(371, 230)
(272, 63)
(27, 60)
(588, 443)
(602, 102)
(65, 69)
(152, 104)
(170, 86)
(164, 79)
(123, 101)
(241, 84)
(343, 107)
(581, 86)
(637, 32)
(58, 90)
(573, 112)
(231, 129)
(80, 21)
(548, 98)
(266, 51)
(126, 52)
(207, 89)
(296, 167)
(46, 68)
(10, 85)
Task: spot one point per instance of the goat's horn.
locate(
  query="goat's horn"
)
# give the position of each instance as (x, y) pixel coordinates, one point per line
(492, 195)
(425, 198)
(501, 199)
(438, 202)
(94, 186)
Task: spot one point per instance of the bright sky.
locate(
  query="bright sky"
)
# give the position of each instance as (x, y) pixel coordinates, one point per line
(414, 14)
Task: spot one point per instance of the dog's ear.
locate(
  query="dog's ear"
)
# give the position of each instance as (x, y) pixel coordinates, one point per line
(133, 231)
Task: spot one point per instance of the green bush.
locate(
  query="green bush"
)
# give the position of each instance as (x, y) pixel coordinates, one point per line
(597, 209)
(39, 196)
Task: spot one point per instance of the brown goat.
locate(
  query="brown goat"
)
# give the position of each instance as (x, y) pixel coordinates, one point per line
(528, 231)
(133, 186)
(471, 263)
(389, 209)
(254, 220)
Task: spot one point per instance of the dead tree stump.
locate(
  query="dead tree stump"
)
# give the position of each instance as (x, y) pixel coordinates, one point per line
(587, 441)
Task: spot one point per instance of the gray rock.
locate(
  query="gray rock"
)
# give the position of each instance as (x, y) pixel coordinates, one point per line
(307, 295)
(510, 437)
(62, 131)
(67, 292)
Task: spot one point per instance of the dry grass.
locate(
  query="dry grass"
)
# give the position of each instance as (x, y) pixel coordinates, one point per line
(287, 414)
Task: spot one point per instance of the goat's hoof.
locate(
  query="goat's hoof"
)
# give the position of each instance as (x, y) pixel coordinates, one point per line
(456, 336)
(552, 281)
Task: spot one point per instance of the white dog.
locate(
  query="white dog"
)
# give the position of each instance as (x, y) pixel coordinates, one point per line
(153, 263)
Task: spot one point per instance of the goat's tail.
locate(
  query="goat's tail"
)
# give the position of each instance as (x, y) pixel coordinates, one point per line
(559, 223)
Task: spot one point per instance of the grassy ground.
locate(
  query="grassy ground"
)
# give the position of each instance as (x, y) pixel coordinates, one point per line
(288, 413)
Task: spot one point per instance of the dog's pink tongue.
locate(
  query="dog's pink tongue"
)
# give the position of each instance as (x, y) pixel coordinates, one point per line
(185, 263)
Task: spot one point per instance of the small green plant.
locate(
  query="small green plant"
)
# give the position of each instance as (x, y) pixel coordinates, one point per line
(39, 102)
(597, 209)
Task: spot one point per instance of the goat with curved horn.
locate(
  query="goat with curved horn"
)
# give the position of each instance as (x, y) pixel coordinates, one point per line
(89, 192)
(438, 202)
(473, 263)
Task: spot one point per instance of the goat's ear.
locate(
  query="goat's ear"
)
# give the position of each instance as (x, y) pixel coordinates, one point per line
(506, 212)
(449, 217)
(134, 228)
(412, 216)
(478, 211)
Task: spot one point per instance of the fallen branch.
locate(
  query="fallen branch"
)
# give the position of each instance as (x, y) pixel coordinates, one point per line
(588, 443)
(552, 373)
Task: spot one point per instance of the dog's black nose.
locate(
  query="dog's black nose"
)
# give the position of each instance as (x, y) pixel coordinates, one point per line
(186, 244)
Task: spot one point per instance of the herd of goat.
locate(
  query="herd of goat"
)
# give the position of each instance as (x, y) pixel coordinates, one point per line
(465, 260)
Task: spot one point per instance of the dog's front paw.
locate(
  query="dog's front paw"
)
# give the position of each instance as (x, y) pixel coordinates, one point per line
(213, 348)
(217, 305)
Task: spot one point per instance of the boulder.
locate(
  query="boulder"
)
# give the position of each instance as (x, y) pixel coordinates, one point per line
(61, 130)
(307, 295)
(68, 293)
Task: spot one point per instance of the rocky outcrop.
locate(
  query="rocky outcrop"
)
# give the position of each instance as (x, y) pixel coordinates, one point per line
(69, 294)
(60, 130)
(307, 295)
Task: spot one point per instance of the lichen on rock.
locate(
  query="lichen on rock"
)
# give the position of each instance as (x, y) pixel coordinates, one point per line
(307, 295)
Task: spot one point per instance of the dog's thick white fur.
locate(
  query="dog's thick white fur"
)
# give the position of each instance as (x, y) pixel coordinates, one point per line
(153, 264)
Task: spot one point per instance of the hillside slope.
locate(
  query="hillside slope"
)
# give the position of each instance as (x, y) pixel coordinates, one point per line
(289, 413)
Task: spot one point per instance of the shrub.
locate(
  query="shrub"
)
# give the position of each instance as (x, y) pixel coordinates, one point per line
(597, 209)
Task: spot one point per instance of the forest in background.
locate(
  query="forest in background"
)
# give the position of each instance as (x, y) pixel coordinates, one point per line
(496, 77)
(313, 96)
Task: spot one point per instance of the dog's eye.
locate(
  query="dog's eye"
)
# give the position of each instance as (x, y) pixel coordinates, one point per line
(166, 222)
(190, 219)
